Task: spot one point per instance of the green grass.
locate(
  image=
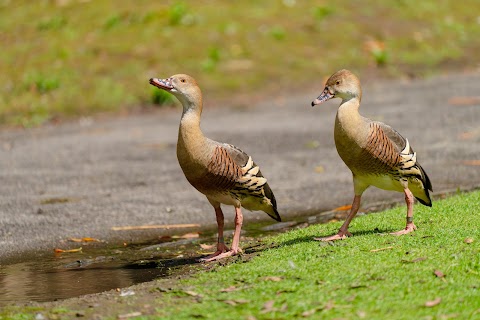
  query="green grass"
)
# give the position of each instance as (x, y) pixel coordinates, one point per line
(63, 59)
(371, 275)
(350, 279)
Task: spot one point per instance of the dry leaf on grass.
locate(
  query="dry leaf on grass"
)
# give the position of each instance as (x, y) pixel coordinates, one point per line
(468, 240)
(192, 293)
(207, 246)
(310, 312)
(273, 278)
(235, 301)
(433, 303)
(230, 289)
(439, 273)
(57, 250)
(415, 260)
(268, 306)
(129, 315)
(381, 249)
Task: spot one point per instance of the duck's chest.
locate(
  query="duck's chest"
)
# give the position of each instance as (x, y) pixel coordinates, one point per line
(350, 137)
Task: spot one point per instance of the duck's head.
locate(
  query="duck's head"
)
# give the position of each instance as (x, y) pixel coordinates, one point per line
(182, 86)
(342, 84)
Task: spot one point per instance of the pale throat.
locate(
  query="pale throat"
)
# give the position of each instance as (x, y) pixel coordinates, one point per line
(190, 137)
(348, 118)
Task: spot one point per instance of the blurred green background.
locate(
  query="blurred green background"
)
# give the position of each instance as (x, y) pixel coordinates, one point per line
(66, 58)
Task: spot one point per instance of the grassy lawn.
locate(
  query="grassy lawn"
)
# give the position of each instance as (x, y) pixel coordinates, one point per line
(68, 58)
(371, 276)
(433, 273)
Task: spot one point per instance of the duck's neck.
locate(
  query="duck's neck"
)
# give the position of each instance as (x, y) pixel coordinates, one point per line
(347, 114)
(191, 141)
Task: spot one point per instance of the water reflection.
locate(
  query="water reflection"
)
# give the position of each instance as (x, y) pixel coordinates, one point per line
(71, 275)
(35, 282)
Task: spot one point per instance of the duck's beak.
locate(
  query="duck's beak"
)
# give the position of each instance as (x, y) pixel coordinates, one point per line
(165, 84)
(326, 95)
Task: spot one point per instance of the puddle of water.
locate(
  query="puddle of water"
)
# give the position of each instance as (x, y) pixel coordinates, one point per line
(27, 282)
(96, 269)
(71, 275)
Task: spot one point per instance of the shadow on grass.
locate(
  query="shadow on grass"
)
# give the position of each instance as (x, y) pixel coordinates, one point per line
(334, 243)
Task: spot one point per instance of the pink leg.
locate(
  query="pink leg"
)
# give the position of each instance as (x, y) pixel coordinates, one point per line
(343, 232)
(236, 239)
(410, 225)
(238, 230)
(221, 247)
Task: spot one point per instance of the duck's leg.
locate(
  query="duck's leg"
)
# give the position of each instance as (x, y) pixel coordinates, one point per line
(221, 247)
(238, 230)
(222, 250)
(343, 232)
(410, 225)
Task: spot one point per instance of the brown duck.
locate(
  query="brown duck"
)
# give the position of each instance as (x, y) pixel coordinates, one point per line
(222, 172)
(376, 154)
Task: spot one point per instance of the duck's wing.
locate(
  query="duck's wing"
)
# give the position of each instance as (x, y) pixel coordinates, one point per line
(242, 178)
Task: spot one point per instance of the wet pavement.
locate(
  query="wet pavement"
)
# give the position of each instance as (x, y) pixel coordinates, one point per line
(99, 267)
(85, 178)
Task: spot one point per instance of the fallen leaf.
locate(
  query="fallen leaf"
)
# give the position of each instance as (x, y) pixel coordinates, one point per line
(381, 249)
(273, 278)
(310, 312)
(192, 293)
(374, 45)
(161, 226)
(319, 169)
(343, 208)
(468, 240)
(438, 273)
(415, 260)
(464, 101)
(313, 144)
(279, 292)
(357, 285)
(126, 293)
(471, 162)
(129, 315)
(433, 303)
(235, 302)
(67, 251)
(268, 306)
(58, 200)
(85, 239)
(207, 246)
(190, 235)
(466, 135)
(230, 289)
(330, 305)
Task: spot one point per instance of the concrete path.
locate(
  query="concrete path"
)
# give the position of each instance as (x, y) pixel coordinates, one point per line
(81, 179)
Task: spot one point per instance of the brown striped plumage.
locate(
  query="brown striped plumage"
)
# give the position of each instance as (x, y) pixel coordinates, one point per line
(222, 172)
(380, 148)
(375, 153)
